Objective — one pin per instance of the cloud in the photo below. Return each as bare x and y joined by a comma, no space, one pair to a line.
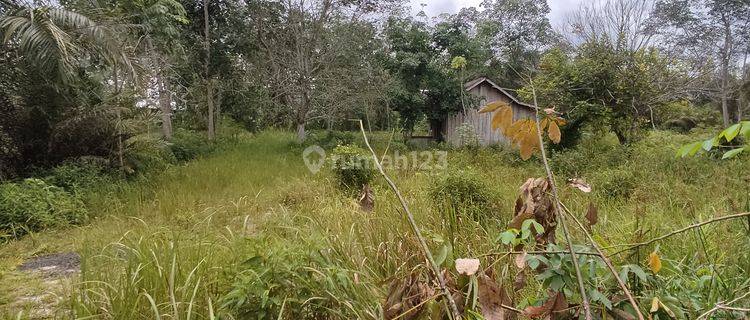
559,9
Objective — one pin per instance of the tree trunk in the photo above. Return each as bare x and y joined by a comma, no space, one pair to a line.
209,83
120,148
165,106
742,84
726,57
301,132
724,105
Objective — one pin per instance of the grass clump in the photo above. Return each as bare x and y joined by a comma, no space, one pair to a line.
462,192
352,166
617,183
33,205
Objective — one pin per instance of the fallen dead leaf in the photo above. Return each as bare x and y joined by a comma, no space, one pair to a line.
491,298
550,309
579,184
467,266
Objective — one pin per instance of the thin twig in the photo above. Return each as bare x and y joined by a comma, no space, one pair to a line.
608,263
415,229
509,308
678,231
415,307
722,305
583,253
560,216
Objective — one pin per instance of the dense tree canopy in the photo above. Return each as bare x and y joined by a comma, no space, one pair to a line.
126,67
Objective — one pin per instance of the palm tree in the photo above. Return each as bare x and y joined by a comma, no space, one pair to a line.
53,38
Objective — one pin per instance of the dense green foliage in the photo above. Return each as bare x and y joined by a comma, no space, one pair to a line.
33,205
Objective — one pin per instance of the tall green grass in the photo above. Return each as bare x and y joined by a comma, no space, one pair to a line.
249,233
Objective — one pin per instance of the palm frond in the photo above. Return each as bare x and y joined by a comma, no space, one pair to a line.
52,38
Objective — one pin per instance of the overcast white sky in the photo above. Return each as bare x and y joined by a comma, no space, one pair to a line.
558,8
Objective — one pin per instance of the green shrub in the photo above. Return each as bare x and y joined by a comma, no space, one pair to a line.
187,145
594,153
147,153
352,166
462,192
81,174
34,205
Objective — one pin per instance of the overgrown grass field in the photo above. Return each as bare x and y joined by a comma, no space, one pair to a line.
251,233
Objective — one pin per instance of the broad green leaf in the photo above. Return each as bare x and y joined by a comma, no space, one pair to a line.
695,148
537,227
731,132
624,274
745,131
532,261
441,255
709,144
638,271
556,283
732,153
507,237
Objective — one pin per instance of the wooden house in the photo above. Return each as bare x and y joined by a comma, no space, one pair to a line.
487,91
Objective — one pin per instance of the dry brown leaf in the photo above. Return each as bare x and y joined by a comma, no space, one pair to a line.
467,266
554,132
543,124
526,151
492,106
592,215
618,314
549,309
579,184
534,202
503,118
491,298
404,295
367,199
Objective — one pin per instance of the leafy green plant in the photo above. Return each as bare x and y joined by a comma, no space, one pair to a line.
352,166
282,281
514,237
34,205
81,174
735,132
